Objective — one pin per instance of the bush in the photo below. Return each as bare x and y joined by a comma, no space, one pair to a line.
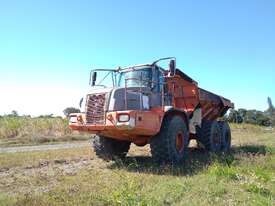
70,110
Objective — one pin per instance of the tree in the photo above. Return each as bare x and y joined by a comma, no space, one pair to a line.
250,117
46,116
262,119
234,117
14,113
242,113
70,110
270,105
270,112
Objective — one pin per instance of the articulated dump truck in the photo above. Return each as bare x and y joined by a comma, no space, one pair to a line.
148,104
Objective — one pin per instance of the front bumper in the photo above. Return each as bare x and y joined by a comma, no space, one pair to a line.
140,123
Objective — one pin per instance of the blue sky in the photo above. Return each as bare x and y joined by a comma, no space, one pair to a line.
48,47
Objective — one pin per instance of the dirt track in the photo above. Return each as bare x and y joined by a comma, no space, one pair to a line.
42,147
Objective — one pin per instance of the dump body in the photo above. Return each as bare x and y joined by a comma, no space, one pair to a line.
212,105
188,96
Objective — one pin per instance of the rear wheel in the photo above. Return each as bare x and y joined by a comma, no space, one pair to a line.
226,136
107,148
209,136
170,145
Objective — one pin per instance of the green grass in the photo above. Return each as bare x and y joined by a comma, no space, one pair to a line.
245,176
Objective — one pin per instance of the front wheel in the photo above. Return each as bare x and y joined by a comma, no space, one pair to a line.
170,145
107,148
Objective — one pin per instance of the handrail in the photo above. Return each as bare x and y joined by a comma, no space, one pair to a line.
162,59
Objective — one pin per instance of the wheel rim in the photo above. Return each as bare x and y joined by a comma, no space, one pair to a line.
179,142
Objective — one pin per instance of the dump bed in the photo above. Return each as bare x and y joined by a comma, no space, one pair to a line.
213,106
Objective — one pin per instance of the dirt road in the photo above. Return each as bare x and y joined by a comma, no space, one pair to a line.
43,147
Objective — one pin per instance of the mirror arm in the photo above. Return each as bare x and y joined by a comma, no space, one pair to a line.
90,77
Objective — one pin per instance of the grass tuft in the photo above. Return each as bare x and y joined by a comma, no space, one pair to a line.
224,171
259,189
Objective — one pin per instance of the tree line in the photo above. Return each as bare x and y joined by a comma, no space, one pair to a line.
266,118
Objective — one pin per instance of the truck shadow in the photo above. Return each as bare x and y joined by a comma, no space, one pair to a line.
198,160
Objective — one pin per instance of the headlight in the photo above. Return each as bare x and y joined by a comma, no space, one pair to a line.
79,118
73,119
123,117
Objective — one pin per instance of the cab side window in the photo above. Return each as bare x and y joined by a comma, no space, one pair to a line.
157,80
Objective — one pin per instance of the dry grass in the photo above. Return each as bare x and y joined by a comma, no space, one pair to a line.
246,176
11,127
17,131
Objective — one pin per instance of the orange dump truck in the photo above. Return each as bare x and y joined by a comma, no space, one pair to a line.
148,104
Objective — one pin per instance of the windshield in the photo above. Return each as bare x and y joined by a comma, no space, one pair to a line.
136,78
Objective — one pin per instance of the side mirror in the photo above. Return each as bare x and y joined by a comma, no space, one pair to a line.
172,67
94,78
80,102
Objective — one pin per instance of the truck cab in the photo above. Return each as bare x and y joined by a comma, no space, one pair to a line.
124,103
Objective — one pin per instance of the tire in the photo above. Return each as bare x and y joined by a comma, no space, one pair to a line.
200,145
209,136
108,149
226,136
170,145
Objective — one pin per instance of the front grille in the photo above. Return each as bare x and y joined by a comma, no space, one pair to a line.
95,108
